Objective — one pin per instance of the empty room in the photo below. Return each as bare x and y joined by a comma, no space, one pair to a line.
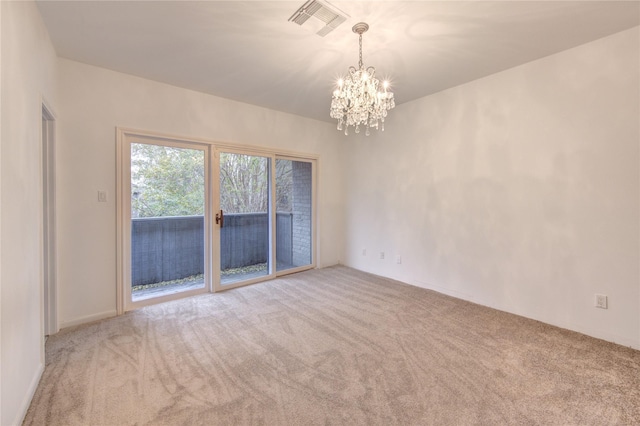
319,212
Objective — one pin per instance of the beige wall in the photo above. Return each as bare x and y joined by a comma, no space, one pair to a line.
517,191
93,101
28,74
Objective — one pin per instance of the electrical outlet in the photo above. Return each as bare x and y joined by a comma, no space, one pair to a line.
102,196
364,251
601,301
381,255
398,259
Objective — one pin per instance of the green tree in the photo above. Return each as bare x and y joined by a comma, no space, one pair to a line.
166,181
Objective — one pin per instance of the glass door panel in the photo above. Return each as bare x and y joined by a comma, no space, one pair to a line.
168,198
244,218
293,214
171,242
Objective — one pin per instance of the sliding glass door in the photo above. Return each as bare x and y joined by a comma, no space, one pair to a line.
167,214
266,211
195,216
244,217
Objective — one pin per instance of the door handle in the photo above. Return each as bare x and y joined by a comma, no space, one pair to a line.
220,219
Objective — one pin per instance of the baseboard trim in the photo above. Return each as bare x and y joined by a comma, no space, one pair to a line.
28,397
88,318
536,316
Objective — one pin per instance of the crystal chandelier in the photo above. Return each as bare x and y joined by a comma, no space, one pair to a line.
360,99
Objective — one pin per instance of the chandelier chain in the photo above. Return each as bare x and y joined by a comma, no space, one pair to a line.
360,58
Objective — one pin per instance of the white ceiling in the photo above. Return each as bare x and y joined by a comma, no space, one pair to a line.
249,52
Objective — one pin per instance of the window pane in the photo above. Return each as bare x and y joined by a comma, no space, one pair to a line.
167,220
293,214
244,199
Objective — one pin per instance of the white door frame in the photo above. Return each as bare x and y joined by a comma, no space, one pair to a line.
125,139
49,270
124,136
217,282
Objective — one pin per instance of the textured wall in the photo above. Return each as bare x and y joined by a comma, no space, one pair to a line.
517,191
28,78
94,101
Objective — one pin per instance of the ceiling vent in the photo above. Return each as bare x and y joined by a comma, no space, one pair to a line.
328,16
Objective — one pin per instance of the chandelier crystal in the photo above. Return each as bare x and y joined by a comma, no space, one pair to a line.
360,99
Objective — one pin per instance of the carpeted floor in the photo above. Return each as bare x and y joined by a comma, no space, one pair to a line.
329,347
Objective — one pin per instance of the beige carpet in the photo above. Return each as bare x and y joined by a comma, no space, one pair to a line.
329,347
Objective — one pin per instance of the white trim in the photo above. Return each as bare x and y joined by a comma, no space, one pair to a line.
89,318
220,145
217,283
295,270
315,233
212,231
214,259
533,315
273,262
165,298
49,240
124,300
315,238
1,145
256,280
208,220
28,397
120,220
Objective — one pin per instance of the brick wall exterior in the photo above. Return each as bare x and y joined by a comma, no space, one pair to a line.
301,209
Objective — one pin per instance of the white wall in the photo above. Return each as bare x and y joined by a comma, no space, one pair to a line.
518,191
1,116
28,74
93,101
